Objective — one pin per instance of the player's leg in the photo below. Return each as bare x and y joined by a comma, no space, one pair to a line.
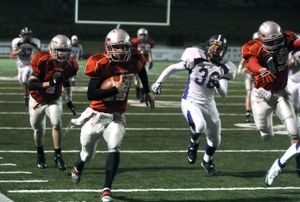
54,112
248,87
280,163
89,137
285,112
37,119
194,117
113,135
213,136
25,74
262,114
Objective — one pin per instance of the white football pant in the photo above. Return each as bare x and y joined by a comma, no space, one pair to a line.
203,119
248,83
111,126
281,104
24,73
38,115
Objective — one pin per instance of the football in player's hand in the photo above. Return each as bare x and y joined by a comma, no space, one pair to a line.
108,83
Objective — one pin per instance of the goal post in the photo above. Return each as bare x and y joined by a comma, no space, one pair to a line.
166,22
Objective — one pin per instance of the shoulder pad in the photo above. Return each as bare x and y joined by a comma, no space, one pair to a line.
191,53
94,63
230,72
251,48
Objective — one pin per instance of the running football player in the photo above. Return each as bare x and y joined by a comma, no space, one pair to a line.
208,74
51,71
105,114
23,47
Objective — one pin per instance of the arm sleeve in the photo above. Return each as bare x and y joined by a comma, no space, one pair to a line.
253,65
223,87
95,93
35,84
170,70
144,79
67,90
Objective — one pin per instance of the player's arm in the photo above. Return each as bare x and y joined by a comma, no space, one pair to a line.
149,97
222,87
95,93
156,87
241,67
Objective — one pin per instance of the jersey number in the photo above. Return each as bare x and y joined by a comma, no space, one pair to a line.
203,77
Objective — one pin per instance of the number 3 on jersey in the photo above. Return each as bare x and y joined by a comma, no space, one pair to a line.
203,74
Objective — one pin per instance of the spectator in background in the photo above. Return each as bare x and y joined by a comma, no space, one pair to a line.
144,44
24,47
77,52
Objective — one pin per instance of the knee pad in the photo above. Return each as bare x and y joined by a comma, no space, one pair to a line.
87,154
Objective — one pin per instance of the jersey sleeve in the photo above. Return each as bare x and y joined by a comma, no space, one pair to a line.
36,61
94,65
230,70
192,56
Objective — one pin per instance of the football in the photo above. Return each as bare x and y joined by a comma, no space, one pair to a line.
107,83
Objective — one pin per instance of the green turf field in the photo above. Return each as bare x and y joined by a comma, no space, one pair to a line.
153,166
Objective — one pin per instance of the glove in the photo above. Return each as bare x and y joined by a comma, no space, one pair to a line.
71,107
55,81
156,87
266,75
263,93
149,100
215,82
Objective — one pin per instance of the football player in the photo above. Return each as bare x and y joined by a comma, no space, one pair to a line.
51,71
268,61
23,47
105,114
248,83
144,44
208,74
77,52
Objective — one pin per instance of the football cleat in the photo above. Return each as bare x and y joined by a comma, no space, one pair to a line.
59,162
248,117
106,195
209,167
192,152
76,176
41,162
272,173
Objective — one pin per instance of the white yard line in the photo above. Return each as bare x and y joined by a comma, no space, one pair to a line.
15,172
151,151
155,190
23,181
8,164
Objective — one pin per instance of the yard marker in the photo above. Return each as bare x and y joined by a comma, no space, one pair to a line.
8,164
23,181
14,172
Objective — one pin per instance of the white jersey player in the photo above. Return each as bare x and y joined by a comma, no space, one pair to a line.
24,47
77,52
293,84
207,76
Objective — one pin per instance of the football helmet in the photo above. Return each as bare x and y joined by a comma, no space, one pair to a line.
118,45
25,33
60,48
271,35
142,34
255,36
216,48
74,39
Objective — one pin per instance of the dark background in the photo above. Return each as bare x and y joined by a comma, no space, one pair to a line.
192,21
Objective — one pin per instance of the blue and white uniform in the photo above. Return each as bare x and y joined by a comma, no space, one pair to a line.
198,104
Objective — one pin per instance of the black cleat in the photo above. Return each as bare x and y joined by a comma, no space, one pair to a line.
41,162
192,152
59,162
209,167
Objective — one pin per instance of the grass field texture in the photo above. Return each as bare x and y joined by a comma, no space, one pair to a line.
153,166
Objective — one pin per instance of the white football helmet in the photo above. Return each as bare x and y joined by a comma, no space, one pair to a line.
142,34
118,45
25,33
74,39
255,36
271,35
60,48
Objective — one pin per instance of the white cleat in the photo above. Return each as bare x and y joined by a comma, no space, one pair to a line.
272,173
106,195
